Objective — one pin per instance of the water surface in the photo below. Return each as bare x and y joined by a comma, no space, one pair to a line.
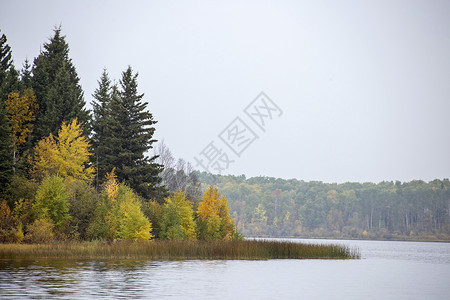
387,270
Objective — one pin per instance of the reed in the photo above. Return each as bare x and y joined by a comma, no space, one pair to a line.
178,250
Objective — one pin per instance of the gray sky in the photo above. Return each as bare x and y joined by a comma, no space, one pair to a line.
363,86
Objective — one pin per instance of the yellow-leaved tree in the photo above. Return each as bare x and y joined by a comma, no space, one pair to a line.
122,212
21,115
214,220
177,221
67,155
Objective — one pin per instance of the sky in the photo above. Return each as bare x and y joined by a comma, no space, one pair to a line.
333,91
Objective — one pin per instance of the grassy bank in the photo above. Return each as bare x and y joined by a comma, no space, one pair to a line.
177,250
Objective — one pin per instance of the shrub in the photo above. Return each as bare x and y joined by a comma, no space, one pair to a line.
41,231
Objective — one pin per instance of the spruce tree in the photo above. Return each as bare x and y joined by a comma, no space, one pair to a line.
25,75
128,136
6,152
100,104
56,85
5,61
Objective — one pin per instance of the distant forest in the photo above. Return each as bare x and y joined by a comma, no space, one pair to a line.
267,206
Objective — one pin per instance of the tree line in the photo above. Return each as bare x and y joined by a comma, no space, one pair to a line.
70,173
267,206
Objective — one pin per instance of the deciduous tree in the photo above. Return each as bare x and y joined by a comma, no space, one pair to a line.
214,220
21,115
52,200
67,155
178,218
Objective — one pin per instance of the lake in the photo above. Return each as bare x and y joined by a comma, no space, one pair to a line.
387,270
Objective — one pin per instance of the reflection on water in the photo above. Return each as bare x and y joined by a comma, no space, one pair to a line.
388,270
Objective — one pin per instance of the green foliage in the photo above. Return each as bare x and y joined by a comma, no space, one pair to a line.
154,211
128,135
118,214
265,206
101,107
57,88
177,222
52,201
83,201
6,151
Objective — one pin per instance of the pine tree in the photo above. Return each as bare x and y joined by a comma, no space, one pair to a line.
128,136
56,85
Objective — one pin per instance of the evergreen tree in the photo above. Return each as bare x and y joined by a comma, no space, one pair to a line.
6,152
128,135
25,75
56,85
102,96
5,64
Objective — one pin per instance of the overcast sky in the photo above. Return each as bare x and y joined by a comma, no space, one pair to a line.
357,90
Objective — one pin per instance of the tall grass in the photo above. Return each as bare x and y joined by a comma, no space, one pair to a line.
177,250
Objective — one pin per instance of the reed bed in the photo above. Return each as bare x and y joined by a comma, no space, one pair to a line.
179,250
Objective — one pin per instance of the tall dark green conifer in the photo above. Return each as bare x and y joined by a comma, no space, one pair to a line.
6,152
101,111
56,85
128,136
25,75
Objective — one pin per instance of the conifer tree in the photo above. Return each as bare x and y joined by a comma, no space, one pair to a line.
56,85
6,153
102,99
25,75
128,135
5,65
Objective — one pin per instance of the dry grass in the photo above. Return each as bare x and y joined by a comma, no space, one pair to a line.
178,250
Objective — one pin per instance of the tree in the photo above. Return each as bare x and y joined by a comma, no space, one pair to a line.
6,159
133,225
125,219
178,175
101,111
214,220
5,58
21,114
25,75
57,88
119,214
128,136
67,155
52,200
178,218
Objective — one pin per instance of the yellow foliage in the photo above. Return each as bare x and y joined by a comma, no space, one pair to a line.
214,216
66,156
111,186
209,205
21,114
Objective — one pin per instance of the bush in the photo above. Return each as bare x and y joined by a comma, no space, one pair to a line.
52,200
41,231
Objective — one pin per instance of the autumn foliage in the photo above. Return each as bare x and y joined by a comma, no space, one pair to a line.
67,155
